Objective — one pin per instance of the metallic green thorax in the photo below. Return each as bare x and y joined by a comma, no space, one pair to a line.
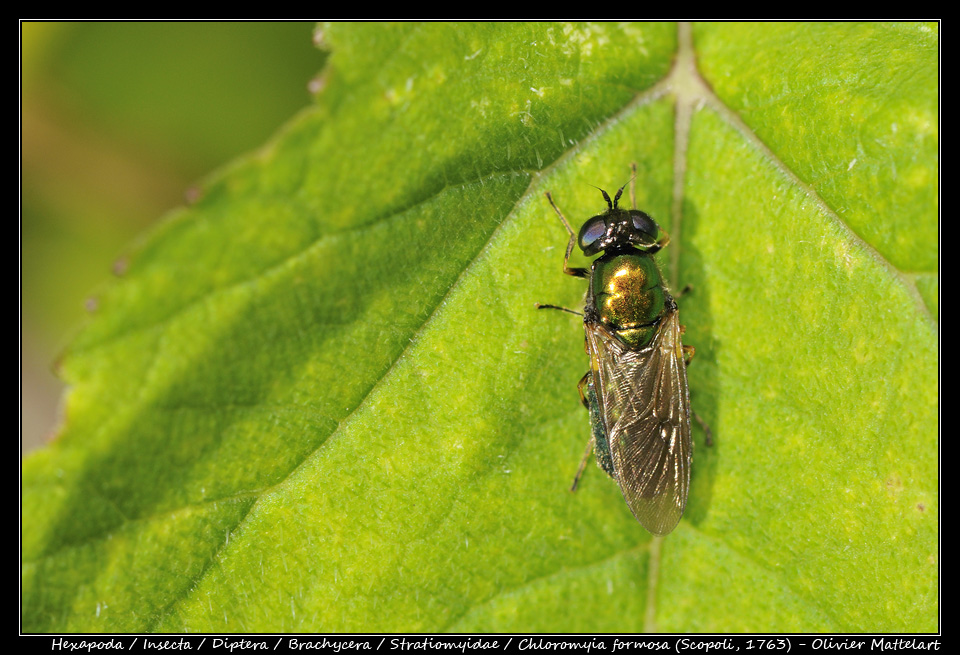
628,296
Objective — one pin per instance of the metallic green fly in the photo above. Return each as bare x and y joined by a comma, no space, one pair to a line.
636,388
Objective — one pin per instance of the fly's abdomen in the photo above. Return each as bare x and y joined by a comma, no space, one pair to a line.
628,295
598,427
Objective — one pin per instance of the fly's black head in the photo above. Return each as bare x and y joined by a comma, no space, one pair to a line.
618,230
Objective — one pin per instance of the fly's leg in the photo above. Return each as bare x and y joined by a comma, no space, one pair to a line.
708,441
585,380
688,352
684,291
586,455
662,243
575,272
562,309
583,465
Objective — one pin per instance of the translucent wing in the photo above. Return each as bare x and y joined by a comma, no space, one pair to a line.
645,406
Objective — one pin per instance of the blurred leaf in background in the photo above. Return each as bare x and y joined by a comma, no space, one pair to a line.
119,120
321,399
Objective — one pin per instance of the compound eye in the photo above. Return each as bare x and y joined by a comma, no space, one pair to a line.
590,235
645,224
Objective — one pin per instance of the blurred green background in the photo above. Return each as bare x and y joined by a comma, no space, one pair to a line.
118,120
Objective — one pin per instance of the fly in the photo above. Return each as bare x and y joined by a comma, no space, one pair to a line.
636,389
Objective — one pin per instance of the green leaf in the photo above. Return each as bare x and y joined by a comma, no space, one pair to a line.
321,399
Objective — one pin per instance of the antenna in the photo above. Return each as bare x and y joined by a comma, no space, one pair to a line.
620,192
617,197
606,197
